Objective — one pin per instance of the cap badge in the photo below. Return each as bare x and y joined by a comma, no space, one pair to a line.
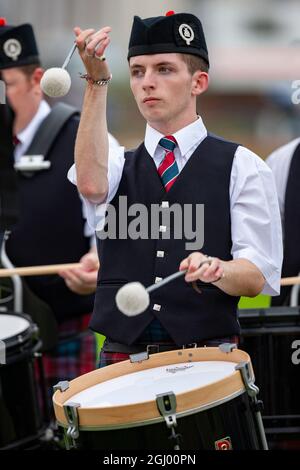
186,33
12,48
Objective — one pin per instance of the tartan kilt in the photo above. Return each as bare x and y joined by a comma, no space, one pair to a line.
75,354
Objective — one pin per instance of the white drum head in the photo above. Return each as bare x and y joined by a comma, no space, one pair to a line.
12,325
144,385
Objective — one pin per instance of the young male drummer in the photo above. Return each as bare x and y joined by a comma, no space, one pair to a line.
178,162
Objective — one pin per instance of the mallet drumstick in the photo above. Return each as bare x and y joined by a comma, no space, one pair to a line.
133,298
56,81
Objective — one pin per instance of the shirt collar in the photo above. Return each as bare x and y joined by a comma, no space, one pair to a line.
187,137
27,134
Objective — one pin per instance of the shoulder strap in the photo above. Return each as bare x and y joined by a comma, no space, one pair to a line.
50,128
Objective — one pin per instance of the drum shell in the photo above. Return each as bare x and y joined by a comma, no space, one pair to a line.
20,414
231,421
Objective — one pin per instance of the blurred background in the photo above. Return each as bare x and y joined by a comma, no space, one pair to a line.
254,51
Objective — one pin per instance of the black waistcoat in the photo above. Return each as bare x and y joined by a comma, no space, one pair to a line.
186,315
50,229
291,228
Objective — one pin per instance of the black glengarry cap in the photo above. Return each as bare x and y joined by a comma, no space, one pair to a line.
181,32
17,46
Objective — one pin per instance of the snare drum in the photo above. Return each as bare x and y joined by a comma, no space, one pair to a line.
201,398
20,415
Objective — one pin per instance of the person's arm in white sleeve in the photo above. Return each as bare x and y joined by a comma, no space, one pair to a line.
280,161
255,218
255,232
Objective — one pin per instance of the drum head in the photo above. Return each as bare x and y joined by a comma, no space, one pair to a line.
13,328
125,393
144,385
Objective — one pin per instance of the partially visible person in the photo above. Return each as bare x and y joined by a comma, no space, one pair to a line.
285,165
52,227
8,179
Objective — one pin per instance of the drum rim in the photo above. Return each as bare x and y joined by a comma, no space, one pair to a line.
124,415
23,336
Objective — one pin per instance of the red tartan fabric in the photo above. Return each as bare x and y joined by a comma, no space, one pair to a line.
75,354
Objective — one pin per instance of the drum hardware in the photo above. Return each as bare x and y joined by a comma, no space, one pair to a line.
166,404
252,391
72,432
62,386
227,347
194,408
189,346
139,357
144,355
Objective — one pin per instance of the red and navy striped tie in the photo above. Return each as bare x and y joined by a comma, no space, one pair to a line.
168,169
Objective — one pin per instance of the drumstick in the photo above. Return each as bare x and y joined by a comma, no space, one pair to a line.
290,281
38,270
133,298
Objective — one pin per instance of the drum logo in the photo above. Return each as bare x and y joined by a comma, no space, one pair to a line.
223,444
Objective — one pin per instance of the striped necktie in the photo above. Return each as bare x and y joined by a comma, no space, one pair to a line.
168,169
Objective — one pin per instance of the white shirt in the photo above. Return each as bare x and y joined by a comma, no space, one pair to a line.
26,136
255,218
280,161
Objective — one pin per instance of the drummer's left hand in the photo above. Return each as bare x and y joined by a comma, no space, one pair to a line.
83,280
202,267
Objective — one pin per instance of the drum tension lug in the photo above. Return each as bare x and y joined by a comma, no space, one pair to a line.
166,404
248,378
62,386
227,347
73,421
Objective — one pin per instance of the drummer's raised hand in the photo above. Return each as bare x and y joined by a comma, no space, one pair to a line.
92,45
202,267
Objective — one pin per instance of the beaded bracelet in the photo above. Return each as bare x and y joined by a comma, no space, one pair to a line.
100,82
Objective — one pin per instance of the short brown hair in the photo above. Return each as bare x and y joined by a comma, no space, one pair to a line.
29,69
195,63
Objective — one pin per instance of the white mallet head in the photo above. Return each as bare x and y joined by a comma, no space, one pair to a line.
132,299
56,82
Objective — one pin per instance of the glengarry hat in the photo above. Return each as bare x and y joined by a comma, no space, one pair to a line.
180,32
